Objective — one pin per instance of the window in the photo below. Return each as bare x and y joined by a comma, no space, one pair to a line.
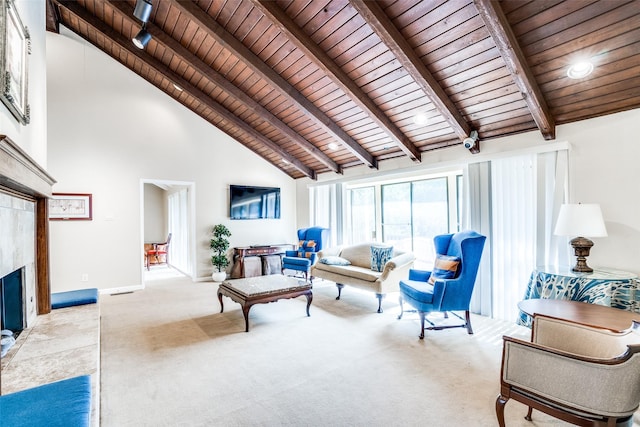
362,218
407,214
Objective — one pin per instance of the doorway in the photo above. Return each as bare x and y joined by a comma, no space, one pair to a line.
167,208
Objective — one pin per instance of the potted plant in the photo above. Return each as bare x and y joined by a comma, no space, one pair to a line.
219,245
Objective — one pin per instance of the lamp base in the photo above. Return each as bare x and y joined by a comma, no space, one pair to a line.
581,247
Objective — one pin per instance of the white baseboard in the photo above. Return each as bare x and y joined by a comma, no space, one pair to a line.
122,289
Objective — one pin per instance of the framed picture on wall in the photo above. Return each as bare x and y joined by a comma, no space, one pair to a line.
70,206
15,47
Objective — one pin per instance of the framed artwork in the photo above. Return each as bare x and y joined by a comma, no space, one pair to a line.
15,47
70,206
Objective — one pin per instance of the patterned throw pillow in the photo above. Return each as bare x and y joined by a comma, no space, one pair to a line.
379,257
445,267
335,260
306,248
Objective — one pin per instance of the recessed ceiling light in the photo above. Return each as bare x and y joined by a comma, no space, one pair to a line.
420,119
177,87
285,161
332,146
580,70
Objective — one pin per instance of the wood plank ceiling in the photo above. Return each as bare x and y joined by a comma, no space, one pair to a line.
317,86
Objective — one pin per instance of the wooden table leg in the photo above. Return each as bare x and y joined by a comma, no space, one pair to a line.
220,299
309,296
245,312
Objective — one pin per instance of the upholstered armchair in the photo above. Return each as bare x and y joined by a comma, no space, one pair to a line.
448,287
310,241
577,373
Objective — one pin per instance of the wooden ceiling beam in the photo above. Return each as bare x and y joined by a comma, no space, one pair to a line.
324,62
126,12
229,42
52,17
504,38
127,46
393,39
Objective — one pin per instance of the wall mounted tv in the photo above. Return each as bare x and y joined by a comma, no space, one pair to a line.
250,202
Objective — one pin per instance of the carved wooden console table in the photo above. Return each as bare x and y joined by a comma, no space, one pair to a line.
247,260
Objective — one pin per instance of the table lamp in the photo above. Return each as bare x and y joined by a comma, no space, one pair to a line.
581,220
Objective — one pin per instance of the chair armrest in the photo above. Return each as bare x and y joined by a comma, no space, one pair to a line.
570,379
291,253
397,262
419,275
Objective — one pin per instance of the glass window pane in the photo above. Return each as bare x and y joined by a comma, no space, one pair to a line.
363,214
396,215
430,209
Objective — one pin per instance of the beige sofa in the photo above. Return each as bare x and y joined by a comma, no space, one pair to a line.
359,273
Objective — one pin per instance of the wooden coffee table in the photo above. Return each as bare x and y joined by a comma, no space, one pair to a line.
599,316
261,290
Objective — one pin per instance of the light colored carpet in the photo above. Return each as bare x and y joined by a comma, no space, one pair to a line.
169,358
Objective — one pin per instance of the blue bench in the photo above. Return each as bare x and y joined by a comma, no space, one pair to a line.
63,403
71,298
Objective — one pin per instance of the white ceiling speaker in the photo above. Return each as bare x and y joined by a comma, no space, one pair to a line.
472,143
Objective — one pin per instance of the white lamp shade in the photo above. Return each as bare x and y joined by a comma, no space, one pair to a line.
583,220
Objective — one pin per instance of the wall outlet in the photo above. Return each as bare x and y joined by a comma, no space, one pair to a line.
84,278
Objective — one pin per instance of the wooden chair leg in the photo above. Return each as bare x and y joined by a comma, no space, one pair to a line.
468,320
339,286
528,417
422,315
379,296
500,402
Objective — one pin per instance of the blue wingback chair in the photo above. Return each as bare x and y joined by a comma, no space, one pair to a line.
445,294
311,240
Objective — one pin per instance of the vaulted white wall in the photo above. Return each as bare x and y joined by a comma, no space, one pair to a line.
108,130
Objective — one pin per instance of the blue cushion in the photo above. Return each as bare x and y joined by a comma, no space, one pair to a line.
445,267
296,261
62,403
417,290
335,260
71,298
379,257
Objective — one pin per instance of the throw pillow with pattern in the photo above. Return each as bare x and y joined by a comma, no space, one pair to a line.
379,257
445,267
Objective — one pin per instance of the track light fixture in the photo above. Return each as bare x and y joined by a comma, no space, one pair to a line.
142,38
142,10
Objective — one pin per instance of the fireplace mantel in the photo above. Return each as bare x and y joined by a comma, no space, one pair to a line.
20,173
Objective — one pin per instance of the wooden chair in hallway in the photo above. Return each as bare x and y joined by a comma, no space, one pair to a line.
157,253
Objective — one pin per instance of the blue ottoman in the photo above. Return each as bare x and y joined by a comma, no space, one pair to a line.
71,298
63,403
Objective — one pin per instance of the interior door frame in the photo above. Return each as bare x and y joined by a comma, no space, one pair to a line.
191,226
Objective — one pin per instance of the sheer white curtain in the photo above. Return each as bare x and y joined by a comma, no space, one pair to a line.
513,231
179,229
514,201
325,207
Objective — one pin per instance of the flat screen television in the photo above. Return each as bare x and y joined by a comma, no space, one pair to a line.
250,202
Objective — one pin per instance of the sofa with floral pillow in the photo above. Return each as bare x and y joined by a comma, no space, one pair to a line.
372,267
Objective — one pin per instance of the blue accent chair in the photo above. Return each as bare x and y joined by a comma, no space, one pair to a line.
305,256
445,295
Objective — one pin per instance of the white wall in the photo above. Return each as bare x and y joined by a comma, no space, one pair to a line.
603,168
108,130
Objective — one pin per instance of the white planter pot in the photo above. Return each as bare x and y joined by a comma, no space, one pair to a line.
219,276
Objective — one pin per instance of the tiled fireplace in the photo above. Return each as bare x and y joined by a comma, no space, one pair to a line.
24,189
